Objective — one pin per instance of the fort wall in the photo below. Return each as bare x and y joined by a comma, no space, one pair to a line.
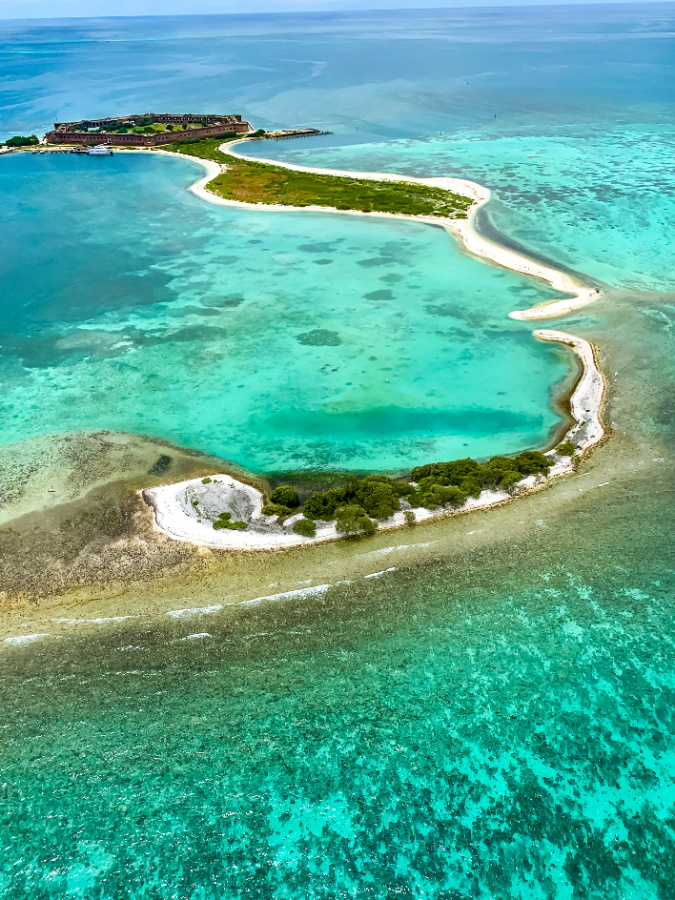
145,140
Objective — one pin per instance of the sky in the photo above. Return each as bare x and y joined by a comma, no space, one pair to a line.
20,9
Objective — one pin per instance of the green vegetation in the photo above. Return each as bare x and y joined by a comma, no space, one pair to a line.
112,127
20,140
409,517
377,496
224,520
567,448
285,495
206,480
255,182
500,472
305,527
275,509
352,519
448,484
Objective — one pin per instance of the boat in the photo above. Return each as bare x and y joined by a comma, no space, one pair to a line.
99,150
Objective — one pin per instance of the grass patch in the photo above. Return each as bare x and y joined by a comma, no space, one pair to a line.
250,181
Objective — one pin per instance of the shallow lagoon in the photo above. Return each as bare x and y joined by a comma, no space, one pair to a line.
280,341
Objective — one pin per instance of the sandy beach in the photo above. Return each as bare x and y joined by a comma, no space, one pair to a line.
462,229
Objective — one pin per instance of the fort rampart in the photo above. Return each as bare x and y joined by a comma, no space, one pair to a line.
86,131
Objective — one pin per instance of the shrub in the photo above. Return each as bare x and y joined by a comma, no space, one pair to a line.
497,470
532,462
409,517
275,509
471,486
567,448
377,498
509,480
352,519
449,472
224,520
206,480
305,527
322,504
20,140
450,496
286,496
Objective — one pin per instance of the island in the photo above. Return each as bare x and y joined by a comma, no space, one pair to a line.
224,512
221,511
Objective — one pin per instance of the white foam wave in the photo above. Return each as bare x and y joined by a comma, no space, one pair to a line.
25,639
288,595
380,574
194,611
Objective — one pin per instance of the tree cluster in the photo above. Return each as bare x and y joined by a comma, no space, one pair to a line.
468,478
352,519
434,485
21,140
376,496
305,527
567,448
286,496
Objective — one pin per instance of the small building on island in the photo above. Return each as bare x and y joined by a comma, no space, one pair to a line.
147,130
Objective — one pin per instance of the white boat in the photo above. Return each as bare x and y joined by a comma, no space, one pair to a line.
99,150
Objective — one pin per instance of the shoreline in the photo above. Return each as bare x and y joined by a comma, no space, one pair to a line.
177,513
462,229
586,400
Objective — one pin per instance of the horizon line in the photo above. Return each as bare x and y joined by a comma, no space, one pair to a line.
460,6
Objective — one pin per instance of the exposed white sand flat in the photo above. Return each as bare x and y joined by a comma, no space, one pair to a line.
194,611
588,398
297,594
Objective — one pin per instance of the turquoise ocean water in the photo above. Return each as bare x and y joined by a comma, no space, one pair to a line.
492,718
278,341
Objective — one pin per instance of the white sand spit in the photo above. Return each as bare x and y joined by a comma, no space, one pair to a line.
588,397
194,611
463,229
380,574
